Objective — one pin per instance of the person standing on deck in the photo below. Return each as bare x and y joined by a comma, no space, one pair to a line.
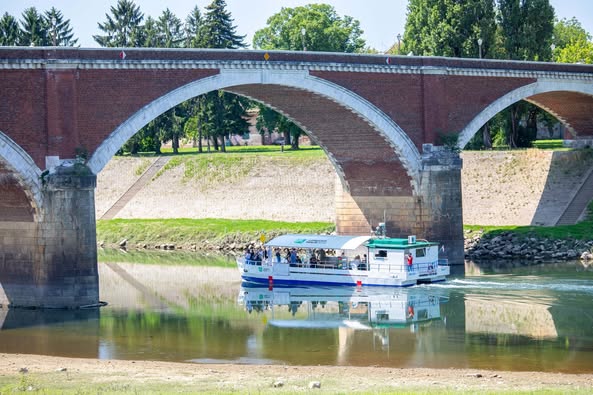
410,262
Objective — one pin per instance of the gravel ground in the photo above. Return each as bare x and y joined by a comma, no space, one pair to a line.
132,376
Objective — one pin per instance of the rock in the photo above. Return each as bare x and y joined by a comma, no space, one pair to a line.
123,243
314,384
23,370
61,369
476,375
278,384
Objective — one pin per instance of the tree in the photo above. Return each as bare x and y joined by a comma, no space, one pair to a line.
572,42
58,30
32,28
150,33
450,28
123,27
526,29
580,51
568,31
218,30
9,30
170,30
314,27
193,28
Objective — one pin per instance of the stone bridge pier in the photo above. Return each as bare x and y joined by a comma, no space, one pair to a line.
433,211
51,261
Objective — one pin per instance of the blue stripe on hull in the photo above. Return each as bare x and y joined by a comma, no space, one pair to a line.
292,282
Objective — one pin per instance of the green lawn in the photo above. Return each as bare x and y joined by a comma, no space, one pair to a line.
183,231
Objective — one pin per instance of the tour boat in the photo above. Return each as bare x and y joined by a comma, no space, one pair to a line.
344,260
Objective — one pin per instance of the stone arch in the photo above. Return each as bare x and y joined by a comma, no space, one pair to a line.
522,93
403,146
23,166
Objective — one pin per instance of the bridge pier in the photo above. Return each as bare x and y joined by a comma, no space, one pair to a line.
51,262
434,212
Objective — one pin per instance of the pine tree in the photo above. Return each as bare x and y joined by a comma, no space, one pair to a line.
170,30
9,30
193,28
33,31
123,27
59,31
219,31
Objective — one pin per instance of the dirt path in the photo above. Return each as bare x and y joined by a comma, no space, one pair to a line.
45,373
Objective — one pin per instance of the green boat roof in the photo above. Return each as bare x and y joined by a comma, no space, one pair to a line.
397,244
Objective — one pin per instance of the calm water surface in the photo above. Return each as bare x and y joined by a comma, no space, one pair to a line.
507,317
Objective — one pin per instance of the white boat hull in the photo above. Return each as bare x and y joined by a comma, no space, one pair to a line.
283,274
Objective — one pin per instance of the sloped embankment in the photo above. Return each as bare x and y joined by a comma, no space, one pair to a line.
499,187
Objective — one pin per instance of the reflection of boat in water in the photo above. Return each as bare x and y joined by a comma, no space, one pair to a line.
344,260
351,307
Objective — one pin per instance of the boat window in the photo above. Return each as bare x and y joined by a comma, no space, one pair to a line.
381,254
382,316
420,252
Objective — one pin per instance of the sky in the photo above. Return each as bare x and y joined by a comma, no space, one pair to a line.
381,20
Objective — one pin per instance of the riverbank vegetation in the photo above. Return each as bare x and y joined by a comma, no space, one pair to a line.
193,234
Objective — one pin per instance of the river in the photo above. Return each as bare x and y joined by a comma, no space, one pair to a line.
504,316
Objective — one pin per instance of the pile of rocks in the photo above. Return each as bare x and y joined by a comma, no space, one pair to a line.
508,245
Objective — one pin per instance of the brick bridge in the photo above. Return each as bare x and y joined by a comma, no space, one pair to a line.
378,118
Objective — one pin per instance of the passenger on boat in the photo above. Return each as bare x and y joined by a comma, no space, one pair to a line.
322,256
247,256
363,264
313,260
278,257
293,257
355,263
342,261
410,262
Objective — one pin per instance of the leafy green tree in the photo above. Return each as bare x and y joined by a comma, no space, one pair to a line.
9,30
123,28
568,31
572,43
580,51
450,28
150,33
58,31
33,30
218,30
323,28
526,28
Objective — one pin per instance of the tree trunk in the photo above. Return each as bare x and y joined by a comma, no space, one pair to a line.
223,144
175,144
486,137
215,142
295,142
514,126
286,137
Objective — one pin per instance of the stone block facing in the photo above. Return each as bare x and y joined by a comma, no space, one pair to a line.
56,264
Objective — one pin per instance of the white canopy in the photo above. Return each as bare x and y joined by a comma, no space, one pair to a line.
318,241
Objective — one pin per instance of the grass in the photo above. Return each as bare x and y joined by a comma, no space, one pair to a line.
549,144
312,151
186,232
580,231
126,383
178,258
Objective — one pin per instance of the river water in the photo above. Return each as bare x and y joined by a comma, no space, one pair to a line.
502,316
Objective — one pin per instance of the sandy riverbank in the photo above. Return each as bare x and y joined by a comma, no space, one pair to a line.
69,374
